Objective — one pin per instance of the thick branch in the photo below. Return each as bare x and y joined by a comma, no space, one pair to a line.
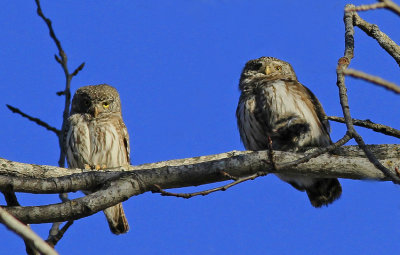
11,200
347,162
110,195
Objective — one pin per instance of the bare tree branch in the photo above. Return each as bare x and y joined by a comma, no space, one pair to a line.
371,125
62,59
366,7
36,120
11,200
388,4
78,69
391,6
25,232
373,79
32,178
117,186
56,234
237,181
373,31
319,151
351,19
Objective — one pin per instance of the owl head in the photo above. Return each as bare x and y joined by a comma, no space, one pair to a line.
96,100
266,68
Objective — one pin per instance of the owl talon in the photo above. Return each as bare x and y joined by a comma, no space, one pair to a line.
100,167
87,167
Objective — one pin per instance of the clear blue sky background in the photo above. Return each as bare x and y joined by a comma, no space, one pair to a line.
177,64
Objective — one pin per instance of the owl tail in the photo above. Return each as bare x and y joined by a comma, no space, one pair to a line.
324,192
116,219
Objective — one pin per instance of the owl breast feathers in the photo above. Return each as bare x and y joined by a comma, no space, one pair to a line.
274,104
96,137
97,142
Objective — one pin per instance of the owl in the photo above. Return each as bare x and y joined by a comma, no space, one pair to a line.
274,105
96,138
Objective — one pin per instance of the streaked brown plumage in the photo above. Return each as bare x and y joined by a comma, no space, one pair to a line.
96,137
274,104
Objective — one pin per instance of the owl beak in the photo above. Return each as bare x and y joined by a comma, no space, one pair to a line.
268,70
94,111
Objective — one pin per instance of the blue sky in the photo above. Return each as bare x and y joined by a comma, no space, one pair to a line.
176,65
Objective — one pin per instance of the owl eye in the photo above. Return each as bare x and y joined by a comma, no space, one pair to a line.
106,104
278,68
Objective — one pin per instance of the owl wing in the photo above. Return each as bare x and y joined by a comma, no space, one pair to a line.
319,110
125,138
77,142
252,130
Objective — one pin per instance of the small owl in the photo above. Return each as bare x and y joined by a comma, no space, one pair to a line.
273,104
96,138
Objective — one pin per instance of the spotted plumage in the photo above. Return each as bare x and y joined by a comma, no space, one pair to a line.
274,104
96,137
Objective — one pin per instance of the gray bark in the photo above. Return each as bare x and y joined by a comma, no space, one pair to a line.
117,185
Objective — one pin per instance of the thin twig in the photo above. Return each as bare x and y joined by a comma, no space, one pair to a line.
55,233
371,157
373,79
25,232
64,197
392,6
36,120
351,19
370,125
158,189
52,34
10,197
62,60
78,69
387,4
59,233
373,31
366,7
229,176
317,152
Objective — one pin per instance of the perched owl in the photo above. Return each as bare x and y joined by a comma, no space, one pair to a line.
96,137
274,104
